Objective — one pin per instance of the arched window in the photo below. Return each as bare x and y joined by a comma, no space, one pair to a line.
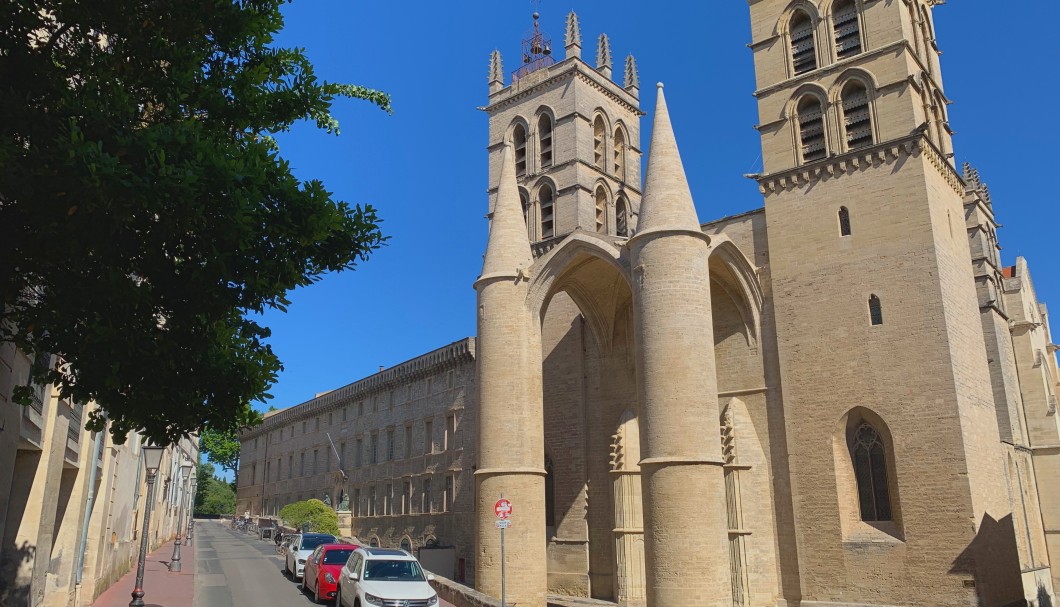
803,49
601,210
524,198
620,155
374,542
844,221
519,140
621,217
869,455
544,133
547,209
550,493
856,119
406,544
847,30
811,128
875,310
599,142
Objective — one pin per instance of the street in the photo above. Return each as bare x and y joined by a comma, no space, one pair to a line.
235,569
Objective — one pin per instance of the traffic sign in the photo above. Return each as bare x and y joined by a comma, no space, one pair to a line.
503,509
504,523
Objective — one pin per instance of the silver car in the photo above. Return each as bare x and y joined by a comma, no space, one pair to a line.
299,549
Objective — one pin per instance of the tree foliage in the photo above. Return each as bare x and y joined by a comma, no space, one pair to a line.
320,516
145,209
215,497
220,447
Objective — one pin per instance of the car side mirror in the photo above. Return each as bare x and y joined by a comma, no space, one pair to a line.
353,575
430,577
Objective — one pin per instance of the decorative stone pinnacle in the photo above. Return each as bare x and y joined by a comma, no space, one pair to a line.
496,80
573,38
603,55
632,78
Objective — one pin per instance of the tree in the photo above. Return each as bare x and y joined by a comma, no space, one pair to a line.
146,211
203,477
319,516
218,498
221,448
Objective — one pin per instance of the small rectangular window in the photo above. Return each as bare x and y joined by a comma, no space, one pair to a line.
375,448
360,453
408,442
449,495
357,502
425,497
428,437
450,432
390,445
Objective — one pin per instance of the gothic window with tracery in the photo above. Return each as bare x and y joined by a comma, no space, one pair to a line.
803,47
811,129
847,29
869,455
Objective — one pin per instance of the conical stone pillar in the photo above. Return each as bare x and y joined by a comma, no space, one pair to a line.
511,427
685,527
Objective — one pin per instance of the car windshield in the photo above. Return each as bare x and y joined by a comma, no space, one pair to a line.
393,571
337,557
312,542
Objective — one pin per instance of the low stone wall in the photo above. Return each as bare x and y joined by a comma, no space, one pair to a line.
461,595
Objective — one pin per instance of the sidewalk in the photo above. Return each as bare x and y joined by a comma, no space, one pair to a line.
161,588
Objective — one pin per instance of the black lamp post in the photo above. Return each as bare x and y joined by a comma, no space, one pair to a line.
152,459
185,469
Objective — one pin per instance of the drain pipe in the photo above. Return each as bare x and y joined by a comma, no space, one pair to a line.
82,546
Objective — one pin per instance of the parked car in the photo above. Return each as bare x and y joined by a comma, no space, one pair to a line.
286,545
323,568
299,550
381,576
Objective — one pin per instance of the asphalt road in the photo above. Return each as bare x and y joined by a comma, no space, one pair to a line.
236,569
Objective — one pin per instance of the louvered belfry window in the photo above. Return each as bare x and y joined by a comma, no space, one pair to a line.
601,210
544,129
803,49
519,139
847,29
856,117
548,221
620,153
621,217
598,142
811,129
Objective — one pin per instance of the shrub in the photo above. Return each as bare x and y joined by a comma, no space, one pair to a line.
320,517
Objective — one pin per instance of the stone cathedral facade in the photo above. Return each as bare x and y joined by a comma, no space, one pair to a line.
840,399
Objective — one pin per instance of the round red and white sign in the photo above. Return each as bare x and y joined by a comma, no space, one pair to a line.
503,509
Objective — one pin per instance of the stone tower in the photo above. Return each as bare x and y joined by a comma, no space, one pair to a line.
867,245
575,134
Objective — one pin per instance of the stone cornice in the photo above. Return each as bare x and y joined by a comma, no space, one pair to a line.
570,68
443,358
882,153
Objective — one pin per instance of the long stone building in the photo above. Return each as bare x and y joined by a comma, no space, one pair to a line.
840,399
73,505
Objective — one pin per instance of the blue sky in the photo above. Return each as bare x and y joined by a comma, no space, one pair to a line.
424,168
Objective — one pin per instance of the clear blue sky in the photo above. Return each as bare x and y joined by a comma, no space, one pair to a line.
424,167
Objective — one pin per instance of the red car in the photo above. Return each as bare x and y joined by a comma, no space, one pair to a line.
322,570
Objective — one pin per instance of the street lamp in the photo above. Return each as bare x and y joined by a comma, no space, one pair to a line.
185,469
152,459
191,510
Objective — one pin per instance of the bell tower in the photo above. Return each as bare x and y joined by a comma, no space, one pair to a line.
575,133
878,322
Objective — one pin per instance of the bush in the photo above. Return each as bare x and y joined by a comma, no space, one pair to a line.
320,517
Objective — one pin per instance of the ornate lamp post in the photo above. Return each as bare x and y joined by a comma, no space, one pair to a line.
191,510
152,459
185,469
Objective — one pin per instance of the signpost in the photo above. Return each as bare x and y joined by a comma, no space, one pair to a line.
503,510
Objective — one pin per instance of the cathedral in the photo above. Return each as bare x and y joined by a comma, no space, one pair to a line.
841,399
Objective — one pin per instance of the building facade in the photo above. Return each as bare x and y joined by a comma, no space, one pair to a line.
72,517
855,395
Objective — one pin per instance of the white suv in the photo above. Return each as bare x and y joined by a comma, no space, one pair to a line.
379,577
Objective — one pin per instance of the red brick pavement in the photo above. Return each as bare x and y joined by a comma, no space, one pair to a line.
161,588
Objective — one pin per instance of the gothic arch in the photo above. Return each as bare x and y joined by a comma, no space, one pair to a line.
783,24
852,523
867,78
744,275
835,95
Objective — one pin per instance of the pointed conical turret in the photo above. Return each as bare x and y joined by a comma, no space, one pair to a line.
667,202
573,38
508,247
496,72
603,55
631,82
